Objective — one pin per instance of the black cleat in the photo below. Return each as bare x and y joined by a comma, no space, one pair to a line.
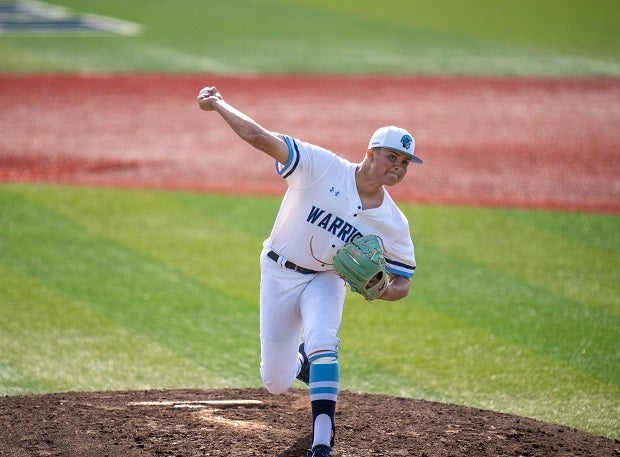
320,450
304,373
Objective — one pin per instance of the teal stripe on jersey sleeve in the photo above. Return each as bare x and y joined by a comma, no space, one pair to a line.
399,269
293,159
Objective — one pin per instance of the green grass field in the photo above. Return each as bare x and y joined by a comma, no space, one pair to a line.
551,37
117,289
510,310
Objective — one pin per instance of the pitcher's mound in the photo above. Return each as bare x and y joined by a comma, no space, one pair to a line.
251,422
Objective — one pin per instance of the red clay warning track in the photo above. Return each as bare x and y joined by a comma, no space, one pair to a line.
533,143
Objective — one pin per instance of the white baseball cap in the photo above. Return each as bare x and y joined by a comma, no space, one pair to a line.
396,139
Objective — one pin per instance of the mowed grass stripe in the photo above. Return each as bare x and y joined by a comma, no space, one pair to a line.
202,236
584,267
599,231
448,360
52,343
189,242
490,289
147,297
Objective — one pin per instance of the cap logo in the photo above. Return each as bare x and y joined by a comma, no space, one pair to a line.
406,141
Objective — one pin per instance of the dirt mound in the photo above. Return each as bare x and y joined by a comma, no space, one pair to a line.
251,422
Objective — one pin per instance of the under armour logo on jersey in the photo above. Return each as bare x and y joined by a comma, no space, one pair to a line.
406,141
334,191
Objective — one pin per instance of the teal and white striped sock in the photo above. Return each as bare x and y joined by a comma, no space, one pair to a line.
324,386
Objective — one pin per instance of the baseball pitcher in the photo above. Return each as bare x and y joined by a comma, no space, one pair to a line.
337,224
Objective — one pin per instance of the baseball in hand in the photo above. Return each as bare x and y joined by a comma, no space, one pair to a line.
207,92
204,96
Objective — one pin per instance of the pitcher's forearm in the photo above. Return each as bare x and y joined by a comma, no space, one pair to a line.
250,131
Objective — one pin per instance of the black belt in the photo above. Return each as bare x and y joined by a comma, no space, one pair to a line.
290,265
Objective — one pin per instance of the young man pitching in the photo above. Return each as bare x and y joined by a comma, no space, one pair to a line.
329,202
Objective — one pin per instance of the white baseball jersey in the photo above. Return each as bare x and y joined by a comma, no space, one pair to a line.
322,210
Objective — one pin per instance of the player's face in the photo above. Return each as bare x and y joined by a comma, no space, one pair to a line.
391,165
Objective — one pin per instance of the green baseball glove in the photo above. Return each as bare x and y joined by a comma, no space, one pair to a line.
361,263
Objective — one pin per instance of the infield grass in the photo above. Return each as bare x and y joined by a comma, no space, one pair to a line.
510,310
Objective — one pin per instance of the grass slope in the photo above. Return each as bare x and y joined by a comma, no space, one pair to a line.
555,37
510,310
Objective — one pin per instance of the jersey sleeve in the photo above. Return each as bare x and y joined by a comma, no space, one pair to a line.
293,159
400,256
306,163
